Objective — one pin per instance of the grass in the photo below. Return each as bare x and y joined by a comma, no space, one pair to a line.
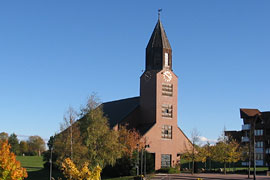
34,167
31,163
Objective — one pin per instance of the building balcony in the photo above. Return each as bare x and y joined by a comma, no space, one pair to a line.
259,162
259,150
246,127
245,139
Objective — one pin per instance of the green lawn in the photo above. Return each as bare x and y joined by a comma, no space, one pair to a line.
31,163
34,167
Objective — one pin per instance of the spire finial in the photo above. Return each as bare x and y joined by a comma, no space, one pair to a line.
159,10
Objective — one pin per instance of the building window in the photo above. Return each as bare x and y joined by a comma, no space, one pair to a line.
167,110
258,132
165,160
259,144
166,132
267,151
259,156
167,89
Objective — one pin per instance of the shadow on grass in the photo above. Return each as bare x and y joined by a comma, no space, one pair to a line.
44,174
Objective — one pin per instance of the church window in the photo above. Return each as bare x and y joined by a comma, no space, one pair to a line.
167,89
166,60
167,110
165,160
166,132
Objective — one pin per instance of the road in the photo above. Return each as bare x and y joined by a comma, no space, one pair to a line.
206,177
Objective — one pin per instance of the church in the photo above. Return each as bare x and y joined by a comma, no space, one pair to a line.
154,112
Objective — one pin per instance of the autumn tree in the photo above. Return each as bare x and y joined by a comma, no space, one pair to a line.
72,172
14,143
130,139
132,144
36,145
10,168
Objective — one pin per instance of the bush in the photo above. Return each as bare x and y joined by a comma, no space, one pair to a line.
169,170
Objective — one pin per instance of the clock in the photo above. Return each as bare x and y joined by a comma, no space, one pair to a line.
147,76
167,76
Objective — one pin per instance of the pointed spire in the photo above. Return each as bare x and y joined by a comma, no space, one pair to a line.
158,50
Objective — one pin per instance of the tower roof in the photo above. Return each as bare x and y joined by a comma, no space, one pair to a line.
159,38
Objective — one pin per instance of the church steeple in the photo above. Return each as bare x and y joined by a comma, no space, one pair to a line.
158,50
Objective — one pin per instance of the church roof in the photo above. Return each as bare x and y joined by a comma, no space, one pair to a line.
159,38
117,110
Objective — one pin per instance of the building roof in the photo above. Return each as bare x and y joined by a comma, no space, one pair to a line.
244,113
117,110
159,38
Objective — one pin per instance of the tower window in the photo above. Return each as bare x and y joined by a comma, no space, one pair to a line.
167,89
166,132
167,110
166,60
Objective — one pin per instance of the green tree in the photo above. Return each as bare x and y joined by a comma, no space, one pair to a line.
103,147
69,143
14,143
226,151
36,145
23,147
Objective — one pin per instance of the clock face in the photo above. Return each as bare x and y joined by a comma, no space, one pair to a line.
167,76
147,76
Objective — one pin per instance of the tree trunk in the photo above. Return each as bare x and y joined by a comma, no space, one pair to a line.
224,167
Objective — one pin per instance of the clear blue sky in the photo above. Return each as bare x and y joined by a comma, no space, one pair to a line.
54,54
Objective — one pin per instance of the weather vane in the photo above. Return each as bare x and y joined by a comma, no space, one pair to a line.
159,10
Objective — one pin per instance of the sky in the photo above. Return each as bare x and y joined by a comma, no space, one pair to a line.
55,54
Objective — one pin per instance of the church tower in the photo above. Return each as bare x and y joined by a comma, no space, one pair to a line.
158,84
154,112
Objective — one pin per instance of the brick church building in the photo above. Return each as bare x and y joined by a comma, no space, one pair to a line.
154,112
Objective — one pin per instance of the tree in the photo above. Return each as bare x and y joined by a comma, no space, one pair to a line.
14,143
36,145
130,139
23,147
10,168
3,136
71,172
69,143
102,143
226,151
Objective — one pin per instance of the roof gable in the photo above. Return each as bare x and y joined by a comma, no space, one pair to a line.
117,110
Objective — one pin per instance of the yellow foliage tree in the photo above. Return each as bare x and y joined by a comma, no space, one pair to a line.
10,168
71,172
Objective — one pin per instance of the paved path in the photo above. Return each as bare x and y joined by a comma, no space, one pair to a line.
206,177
